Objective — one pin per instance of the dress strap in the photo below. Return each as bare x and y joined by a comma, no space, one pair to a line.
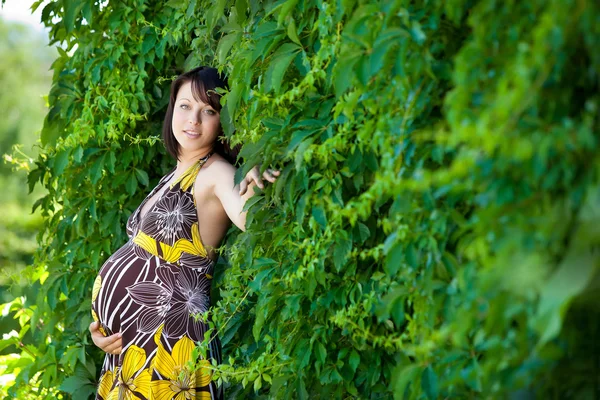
189,176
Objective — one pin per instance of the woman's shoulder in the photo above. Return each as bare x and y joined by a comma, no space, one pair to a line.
218,169
218,164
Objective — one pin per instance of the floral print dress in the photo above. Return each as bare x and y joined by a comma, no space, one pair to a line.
152,290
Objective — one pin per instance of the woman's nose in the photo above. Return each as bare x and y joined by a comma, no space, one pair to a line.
195,120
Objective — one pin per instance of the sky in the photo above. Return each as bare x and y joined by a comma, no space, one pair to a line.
19,10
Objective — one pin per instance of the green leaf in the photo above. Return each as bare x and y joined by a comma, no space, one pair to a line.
257,383
341,251
390,303
402,377
252,201
397,310
233,98
60,162
241,6
50,132
354,360
291,32
411,255
72,9
148,42
393,260
131,184
286,8
258,324
280,63
112,159
571,278
301,209
303,353
191,8
300,151
371,161
301,389
298,137
74,383
225,45
262,261
256,284
142,176
429,383
417,33
160,48
321,352
96,169
319,215
364,231
85,391
77,154
343,72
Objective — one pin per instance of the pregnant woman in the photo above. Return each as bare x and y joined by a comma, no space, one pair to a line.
148,293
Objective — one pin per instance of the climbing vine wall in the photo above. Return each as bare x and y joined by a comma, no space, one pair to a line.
433,233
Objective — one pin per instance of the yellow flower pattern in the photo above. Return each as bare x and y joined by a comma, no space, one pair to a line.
96,287
132,378
179,382
172,253
95,318
106,383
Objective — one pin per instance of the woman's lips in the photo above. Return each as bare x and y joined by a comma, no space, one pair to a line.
191,134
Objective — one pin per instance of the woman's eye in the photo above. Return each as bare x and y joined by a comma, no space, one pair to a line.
210,112
184,106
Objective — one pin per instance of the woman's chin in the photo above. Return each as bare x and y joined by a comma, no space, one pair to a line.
192,144
191,149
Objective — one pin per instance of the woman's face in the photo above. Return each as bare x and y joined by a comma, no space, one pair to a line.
195,124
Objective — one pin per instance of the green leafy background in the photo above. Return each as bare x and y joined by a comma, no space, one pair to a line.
434,232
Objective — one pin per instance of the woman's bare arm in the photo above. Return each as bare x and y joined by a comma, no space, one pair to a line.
233,197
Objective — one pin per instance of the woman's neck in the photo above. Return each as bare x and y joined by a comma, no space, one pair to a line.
186,160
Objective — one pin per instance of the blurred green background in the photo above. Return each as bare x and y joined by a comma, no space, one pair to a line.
25,79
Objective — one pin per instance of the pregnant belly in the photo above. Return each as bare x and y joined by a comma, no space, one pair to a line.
135,292
110,297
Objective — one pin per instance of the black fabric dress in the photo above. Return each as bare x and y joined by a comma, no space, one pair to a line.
152,290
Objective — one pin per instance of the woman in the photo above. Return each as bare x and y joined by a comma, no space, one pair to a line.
147,294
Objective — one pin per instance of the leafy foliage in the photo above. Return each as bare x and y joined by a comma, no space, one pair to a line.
432,233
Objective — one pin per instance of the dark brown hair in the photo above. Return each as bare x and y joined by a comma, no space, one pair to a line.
204,81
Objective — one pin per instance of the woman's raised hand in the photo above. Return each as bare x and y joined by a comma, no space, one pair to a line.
254,176
110,344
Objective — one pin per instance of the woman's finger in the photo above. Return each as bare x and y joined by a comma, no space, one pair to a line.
94,326
101,341
109,340
268,176
255,175
97,336
243,187
271,175
114,348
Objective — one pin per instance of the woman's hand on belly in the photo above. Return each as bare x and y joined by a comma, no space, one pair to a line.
110,344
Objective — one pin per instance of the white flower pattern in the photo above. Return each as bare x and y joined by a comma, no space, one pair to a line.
171,218
173,300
